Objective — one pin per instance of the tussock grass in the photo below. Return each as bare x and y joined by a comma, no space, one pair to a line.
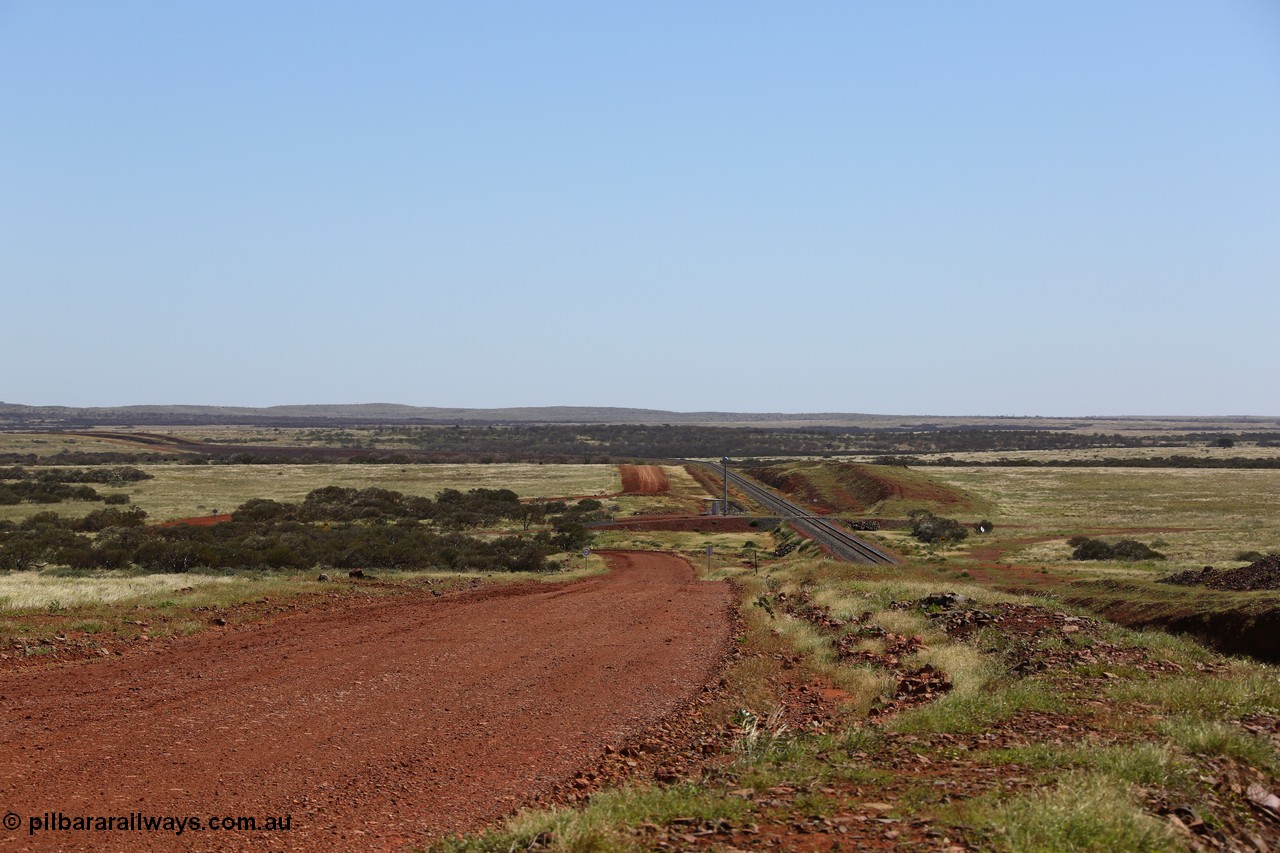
907,623
602,824
807,760
971,672
37,590
1216,738
1249,689
1138,764
976,709
1083,813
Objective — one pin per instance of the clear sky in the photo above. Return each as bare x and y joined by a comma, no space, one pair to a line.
1012,208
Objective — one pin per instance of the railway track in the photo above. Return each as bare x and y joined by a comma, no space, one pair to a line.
837,540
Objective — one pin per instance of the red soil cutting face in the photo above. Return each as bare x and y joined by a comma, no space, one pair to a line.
643,480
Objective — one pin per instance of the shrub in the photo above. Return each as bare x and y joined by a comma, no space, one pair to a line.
934,529
1126,549
101,519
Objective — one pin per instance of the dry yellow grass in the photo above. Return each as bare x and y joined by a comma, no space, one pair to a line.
180,491
48,444
1240,451
1196,516
37,590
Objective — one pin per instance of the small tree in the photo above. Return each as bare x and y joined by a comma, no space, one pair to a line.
534,512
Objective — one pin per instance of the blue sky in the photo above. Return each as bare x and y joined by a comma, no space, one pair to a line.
914,208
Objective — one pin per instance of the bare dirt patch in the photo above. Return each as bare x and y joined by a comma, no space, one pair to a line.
643,480
374,725
197,520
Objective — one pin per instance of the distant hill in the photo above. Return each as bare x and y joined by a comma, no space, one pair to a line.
393,413
17,416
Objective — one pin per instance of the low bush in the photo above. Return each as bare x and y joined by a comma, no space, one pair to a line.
934,529
342,528
1129,550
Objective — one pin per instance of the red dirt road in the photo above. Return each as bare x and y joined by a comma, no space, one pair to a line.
197,520
373,726
643,480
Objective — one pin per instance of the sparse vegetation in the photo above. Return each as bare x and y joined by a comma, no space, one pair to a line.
1047,738
344,528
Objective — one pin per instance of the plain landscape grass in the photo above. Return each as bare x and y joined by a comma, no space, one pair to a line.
184,491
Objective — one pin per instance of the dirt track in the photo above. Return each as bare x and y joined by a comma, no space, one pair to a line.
373,726
643,480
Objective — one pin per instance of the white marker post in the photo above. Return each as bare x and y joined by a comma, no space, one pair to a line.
710,548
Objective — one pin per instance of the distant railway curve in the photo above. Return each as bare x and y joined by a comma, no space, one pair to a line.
837,540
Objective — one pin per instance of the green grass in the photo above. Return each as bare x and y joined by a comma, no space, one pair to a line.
969,712
1216,738
1139,764
1082,814
1250,689
603,824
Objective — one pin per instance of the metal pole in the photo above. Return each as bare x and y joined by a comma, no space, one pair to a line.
724,460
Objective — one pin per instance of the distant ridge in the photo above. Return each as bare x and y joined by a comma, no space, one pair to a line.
391,412
14,416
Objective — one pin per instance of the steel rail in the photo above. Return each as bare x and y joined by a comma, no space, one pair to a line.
838,540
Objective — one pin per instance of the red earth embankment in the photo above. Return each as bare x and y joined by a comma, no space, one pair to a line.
643,480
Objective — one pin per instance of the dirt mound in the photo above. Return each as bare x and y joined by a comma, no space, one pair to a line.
831,487
1263,574
797,485
901,484
372,724
643,480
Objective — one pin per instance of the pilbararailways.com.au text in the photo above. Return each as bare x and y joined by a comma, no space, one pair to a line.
142,822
